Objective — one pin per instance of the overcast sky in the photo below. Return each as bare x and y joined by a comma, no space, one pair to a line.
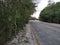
40,6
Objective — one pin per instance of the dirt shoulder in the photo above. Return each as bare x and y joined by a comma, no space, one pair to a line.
25,37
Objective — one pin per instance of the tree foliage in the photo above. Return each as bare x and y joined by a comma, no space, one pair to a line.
51,13
14,14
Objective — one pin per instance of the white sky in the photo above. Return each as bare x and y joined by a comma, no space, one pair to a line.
40,6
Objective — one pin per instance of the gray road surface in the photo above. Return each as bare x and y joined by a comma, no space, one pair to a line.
48,33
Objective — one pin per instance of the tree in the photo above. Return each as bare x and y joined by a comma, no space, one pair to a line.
50,2
51,13
14,14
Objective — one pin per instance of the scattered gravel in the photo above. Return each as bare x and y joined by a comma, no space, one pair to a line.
24,37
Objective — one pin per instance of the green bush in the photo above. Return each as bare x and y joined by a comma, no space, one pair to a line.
14,14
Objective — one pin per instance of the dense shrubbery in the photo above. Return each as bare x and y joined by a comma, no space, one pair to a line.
51,13
14,14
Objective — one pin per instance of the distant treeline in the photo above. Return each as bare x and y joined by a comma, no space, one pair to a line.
51,13
14,14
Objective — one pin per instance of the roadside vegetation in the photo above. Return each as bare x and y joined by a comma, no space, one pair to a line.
51,13
14,14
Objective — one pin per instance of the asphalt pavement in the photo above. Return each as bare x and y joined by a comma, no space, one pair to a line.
48,33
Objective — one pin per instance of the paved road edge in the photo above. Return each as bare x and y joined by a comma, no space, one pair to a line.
35,36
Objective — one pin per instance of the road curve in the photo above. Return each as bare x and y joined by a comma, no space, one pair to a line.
48,33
